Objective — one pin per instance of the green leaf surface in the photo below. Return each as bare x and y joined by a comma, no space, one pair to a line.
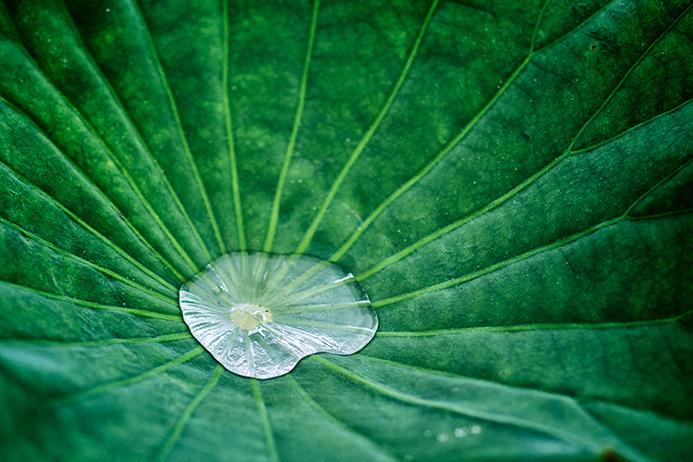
510,182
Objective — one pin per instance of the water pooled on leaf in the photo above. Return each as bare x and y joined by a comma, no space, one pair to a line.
258,314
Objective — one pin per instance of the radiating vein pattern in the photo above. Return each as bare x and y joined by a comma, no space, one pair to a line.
180,425
130,381
515,192
510,183
305,242
566,153
294,132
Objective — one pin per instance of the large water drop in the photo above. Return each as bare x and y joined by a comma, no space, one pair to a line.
258,314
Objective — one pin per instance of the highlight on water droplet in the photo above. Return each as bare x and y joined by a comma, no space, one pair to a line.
259,314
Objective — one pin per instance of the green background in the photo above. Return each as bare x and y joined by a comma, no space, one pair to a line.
510,181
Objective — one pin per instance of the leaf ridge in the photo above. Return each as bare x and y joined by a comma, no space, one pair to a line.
514,191
187,413
537,24
88,228
99,343
497,266
570,400
613,92
655,216
146,290
441,405
344,248
533,327
322,411
654,187
99,306
262,410
229,131
93,187
435,161
402,189
68,399
633,128
367,137
576,28
107,149
144,147
575,403
294,132
179,126
566,240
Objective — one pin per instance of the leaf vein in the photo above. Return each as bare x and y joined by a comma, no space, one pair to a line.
368,136
229,132
93,187
514,191
322,411
181,132
451,407
146,290
99,343
99,306
262,410
108,150
497,266
89,229
274,217
532,327
67,399
187,413
142,145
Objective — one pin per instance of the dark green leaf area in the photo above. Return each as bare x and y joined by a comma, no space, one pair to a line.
90,159
673,195
667,59
580,362
408,143
422,423
51,270
121,48
510,183
501,155
33,167
659,437
575,194
361,49
592,283
46,223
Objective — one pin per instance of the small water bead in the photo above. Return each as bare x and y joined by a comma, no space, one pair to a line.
259,314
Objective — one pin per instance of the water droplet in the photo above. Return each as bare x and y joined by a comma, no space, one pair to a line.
460,432
475,429
259,314
443,437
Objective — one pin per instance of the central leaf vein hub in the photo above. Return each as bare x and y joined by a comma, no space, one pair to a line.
249,316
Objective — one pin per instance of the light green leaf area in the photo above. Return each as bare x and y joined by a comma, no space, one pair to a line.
510,182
